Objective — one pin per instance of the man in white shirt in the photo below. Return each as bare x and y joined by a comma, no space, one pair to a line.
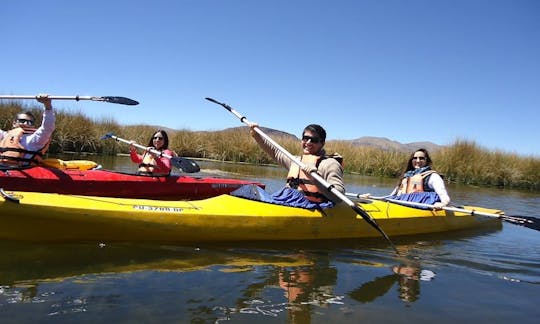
24,144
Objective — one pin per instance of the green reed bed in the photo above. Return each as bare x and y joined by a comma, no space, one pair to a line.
460,162
466,162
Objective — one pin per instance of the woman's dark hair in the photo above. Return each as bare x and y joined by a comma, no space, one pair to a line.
410,162
165,139
27,113
317,129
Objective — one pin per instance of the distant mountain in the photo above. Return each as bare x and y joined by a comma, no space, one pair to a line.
388,145
274,132
382,143
268,131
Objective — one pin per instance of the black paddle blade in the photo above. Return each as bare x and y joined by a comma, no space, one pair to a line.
229,108
213,100
187,165
8,196
119,100
374,224
107,136
526,221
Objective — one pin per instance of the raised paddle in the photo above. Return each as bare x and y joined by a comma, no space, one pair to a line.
185,164
313,173
526,221
109,99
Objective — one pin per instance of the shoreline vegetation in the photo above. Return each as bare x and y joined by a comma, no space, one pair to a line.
462,162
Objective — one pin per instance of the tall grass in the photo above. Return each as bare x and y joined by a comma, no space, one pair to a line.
466,162
461,162
369,160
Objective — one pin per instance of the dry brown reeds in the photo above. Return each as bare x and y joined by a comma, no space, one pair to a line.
466,162
461,162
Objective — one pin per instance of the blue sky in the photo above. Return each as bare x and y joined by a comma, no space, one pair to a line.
411,70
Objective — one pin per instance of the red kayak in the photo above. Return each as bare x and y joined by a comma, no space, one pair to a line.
116,184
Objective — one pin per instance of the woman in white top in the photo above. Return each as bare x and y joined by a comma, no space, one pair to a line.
420,178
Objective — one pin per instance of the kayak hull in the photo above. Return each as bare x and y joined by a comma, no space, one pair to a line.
107,183
34,216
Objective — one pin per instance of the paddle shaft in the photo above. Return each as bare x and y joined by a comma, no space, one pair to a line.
187,165
530,222
422,205
50,97
313,174
117,100
151,150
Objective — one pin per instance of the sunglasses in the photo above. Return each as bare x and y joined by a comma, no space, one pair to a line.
158,138
25,122
313,139
421,158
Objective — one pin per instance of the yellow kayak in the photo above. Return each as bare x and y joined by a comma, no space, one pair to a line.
31,216
70,165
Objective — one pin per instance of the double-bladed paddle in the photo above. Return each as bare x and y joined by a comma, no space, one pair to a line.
526,221
185,164
313,174
109,99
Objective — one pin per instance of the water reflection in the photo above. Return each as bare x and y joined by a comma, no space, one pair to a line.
278,282
301,289
282,282
296,282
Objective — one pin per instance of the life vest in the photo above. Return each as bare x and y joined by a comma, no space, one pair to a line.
298,179
149,166
415,183
12,152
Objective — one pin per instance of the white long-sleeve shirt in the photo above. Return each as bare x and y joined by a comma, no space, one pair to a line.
436,183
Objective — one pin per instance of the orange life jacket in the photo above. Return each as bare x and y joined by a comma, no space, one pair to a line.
148,166
298,179
13,153
414,183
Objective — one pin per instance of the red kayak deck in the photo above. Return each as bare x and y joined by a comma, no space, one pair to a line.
108,183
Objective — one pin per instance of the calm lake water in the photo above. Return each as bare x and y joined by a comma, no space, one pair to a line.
473,276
